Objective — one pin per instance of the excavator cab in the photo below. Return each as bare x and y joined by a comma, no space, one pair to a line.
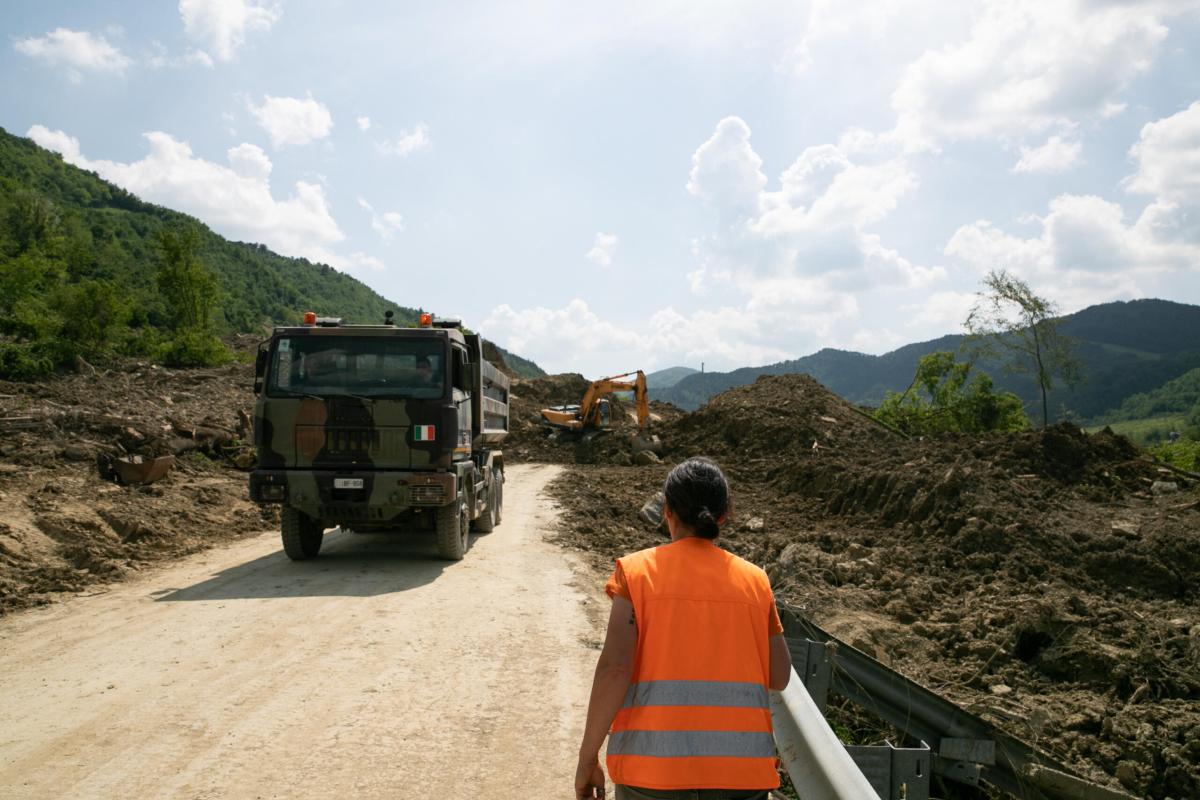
594,413
603,414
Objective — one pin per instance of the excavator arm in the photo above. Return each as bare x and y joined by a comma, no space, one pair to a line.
589,408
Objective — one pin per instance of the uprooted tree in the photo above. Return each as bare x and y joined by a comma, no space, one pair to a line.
1008,319
946,397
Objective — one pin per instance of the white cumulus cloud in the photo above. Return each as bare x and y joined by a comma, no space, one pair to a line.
602,250
236,200
791,264
408,142
364,123
387,224
1088,249
222,25
1029,66
78,51
561,339
815,225
293,120
1055,155
249,161
1168,157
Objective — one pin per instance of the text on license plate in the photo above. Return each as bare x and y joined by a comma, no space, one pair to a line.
347,483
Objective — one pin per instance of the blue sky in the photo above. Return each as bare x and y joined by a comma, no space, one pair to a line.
634,184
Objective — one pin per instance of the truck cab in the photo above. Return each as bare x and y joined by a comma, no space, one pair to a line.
378,428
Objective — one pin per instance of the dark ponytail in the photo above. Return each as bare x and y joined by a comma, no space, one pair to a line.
698,495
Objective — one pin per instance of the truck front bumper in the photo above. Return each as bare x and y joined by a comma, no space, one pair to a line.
350,495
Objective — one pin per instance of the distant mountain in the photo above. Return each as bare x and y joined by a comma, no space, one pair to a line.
666,378
1125,347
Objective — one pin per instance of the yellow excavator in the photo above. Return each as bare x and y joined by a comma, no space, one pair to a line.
594,413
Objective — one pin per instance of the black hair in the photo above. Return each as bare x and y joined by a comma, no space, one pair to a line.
698,494
423,361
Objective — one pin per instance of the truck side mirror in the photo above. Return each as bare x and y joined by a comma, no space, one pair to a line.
260,369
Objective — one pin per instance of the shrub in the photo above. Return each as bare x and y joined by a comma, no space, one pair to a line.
1184,454
944,397
194,348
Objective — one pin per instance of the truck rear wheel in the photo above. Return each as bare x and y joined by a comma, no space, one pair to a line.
302,535
498,482
452,531
487,520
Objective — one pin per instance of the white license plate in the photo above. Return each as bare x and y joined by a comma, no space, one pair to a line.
347,483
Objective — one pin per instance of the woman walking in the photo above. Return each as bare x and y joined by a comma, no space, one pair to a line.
694,643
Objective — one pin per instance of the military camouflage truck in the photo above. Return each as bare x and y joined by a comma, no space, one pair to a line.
379,428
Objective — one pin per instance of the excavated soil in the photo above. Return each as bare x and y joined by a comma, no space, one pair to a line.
1039,579
64,528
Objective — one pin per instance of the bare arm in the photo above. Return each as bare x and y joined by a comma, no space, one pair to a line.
781,662
614,668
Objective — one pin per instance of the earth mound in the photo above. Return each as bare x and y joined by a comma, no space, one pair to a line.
1035,578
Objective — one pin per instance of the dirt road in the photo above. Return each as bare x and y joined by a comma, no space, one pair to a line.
374,671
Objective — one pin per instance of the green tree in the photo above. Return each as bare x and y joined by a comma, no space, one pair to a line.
945,396
190,289
32,221
93,313
191,292
1008,318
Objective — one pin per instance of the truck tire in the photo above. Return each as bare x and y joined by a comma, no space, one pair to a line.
498,482
487,520
452,531
302,535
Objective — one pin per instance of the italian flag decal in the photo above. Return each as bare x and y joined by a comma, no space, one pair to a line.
423,433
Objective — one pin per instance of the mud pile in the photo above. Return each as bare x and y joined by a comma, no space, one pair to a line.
530,440
1039,579
64,527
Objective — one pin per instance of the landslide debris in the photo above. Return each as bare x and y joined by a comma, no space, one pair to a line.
1034,578
63,528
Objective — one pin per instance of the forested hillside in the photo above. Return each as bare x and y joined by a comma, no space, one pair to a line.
81,263
1178,396
1125,348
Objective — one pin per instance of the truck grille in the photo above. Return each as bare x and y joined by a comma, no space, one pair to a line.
341,513
431,495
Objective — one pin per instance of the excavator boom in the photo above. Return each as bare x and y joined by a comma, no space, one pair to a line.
588,414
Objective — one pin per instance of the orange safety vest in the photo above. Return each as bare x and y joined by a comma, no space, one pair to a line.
696,714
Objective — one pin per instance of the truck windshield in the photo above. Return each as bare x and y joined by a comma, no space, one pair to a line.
384,366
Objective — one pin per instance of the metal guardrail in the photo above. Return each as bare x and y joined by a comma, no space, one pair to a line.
964,747
812,754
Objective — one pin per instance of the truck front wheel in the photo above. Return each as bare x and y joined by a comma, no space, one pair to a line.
302,535
452,531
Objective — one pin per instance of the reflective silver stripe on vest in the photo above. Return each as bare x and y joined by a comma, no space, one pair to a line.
682,744
726,694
